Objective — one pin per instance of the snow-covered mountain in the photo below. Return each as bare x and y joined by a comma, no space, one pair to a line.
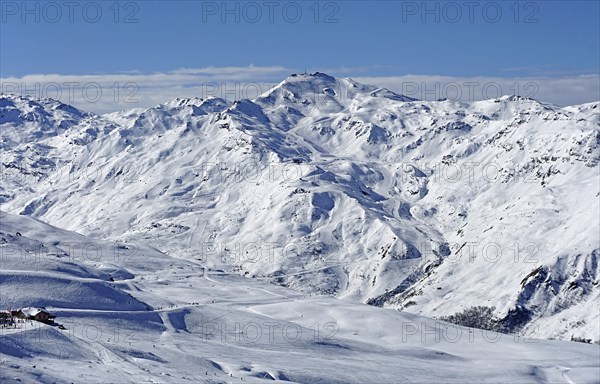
127,313
328,186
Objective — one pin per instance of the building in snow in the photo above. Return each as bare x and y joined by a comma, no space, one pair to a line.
6,319
39,314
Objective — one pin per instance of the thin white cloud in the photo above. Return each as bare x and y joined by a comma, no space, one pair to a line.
102,93
562,91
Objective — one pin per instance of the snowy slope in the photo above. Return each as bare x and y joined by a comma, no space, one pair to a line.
333,187
198,325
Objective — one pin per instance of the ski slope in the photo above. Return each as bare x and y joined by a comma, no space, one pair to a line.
186,323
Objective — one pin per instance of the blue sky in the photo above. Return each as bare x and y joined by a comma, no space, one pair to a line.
528,39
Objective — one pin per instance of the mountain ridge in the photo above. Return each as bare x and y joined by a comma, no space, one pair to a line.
336,187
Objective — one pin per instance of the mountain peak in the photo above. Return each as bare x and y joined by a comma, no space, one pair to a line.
18,109
314,75
308,80
324,90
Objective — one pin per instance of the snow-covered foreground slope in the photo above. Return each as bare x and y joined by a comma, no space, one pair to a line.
328,186
184,323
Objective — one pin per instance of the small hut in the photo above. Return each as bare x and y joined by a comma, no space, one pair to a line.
38,314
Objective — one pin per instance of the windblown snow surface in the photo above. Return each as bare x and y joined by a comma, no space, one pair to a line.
217,241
